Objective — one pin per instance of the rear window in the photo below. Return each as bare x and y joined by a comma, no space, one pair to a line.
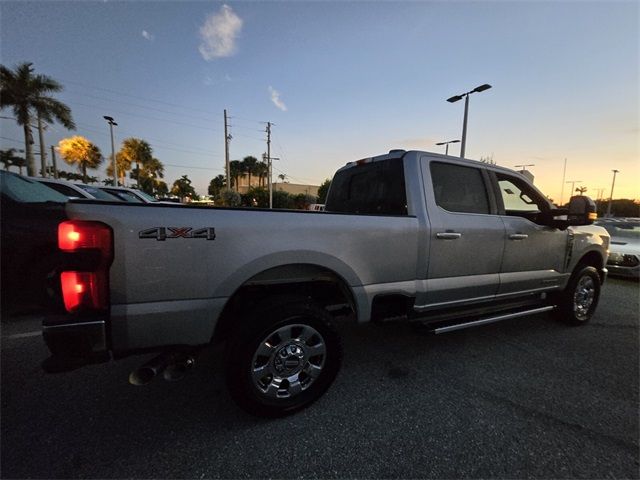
23,190
375,188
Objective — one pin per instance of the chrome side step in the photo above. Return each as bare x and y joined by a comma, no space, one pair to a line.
484,321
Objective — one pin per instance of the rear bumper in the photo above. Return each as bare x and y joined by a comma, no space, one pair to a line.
75,344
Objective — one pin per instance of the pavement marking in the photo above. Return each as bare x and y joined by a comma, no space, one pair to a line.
23,335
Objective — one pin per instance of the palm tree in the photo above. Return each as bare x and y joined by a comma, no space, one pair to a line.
80,152
235,170
262,170
133,150
150,173
249,164
182,188
9,159
28,94
216,184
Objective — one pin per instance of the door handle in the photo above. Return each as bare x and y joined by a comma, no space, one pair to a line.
448,235
518,236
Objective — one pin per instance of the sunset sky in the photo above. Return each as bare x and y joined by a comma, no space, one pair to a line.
345,80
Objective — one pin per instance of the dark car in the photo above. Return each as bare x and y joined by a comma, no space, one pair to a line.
29,218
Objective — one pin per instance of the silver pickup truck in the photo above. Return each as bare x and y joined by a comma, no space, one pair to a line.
411,236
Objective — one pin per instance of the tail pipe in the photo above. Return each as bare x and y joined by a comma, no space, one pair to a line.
173,365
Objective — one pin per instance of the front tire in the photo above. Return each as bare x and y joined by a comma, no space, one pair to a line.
578,302
284,358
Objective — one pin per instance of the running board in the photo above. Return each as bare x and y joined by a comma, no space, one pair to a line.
484,321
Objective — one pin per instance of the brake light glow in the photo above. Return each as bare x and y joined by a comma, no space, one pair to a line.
82,289
75,234
86,290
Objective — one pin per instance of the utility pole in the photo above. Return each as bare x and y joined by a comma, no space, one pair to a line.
564,174
269,164
43,154
227,138
611,197
111,123
53,159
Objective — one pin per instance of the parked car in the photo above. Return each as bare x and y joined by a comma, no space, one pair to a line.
30,214
624,252
130,195
77,190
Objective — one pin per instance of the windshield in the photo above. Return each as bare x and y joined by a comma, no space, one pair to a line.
623,230
23,190
99,194
123,195
145,195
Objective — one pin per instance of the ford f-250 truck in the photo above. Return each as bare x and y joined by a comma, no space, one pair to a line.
448,242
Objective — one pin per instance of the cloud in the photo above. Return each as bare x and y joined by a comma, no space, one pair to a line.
275,98
219,34
148,36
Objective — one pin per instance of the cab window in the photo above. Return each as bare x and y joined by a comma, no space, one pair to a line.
458,188
519,199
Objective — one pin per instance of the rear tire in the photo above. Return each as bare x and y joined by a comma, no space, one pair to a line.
283,358
578,302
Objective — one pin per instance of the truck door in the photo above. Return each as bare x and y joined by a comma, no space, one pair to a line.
466,239
534,253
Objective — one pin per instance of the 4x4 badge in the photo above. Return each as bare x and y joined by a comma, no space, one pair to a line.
162,233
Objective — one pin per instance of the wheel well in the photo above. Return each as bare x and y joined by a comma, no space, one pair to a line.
322,286
593,259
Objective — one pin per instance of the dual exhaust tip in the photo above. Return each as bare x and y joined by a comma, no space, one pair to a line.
173,366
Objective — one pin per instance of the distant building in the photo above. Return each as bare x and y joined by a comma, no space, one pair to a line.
262,182
296,188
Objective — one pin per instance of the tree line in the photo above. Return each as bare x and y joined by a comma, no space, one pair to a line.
30,97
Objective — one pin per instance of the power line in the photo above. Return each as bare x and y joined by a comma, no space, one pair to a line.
209,119
13,140
138,97
193,167
120,112
100,131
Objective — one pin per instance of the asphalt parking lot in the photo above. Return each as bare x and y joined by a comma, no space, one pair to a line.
523,398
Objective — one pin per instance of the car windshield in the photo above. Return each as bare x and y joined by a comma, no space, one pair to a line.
623,230
145,195
124,195
99,194
23,190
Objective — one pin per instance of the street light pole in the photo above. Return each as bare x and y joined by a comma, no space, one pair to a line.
446,151
455,98
573,184
113,149
611,196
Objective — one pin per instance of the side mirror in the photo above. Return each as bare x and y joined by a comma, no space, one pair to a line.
580,211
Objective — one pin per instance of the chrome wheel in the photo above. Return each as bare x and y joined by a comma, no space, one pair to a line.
583,297
288,361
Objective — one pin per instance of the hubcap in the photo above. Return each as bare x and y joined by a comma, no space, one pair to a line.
583,297
288,361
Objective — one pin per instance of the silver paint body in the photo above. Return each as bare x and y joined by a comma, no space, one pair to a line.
173,291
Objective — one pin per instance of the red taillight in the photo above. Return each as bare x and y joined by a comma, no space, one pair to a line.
86,289
76,234
83,289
